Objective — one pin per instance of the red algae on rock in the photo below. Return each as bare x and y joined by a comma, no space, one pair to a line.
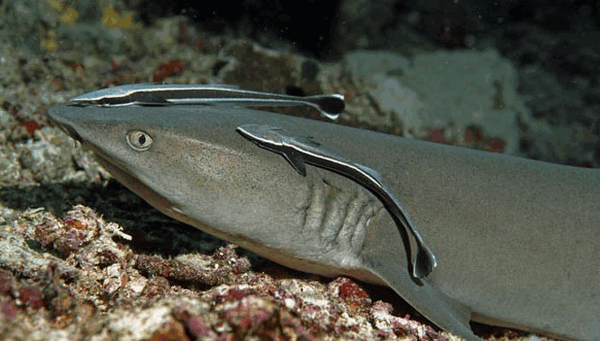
166,70
200,269
169,331
349,290
194,325
31,296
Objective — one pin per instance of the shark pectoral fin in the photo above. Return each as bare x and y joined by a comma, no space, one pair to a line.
383,254
445,312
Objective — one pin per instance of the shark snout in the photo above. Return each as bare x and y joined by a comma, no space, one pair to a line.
60,118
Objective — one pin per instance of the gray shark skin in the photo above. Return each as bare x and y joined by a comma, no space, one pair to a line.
516,241
299,149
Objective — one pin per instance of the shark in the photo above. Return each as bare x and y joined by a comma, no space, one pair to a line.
461,235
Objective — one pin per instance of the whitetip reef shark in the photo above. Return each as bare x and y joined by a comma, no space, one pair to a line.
459,234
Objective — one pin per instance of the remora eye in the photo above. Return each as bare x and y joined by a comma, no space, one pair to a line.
139,140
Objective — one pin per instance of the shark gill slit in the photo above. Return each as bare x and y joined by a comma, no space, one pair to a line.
314,211
355,208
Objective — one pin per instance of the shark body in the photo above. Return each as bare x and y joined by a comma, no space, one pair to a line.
516,241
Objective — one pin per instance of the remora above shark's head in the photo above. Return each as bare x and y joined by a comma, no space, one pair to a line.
191,164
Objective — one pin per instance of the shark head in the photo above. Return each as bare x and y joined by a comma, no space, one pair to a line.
192,166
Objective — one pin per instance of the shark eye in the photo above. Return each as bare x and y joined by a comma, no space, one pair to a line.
139,140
